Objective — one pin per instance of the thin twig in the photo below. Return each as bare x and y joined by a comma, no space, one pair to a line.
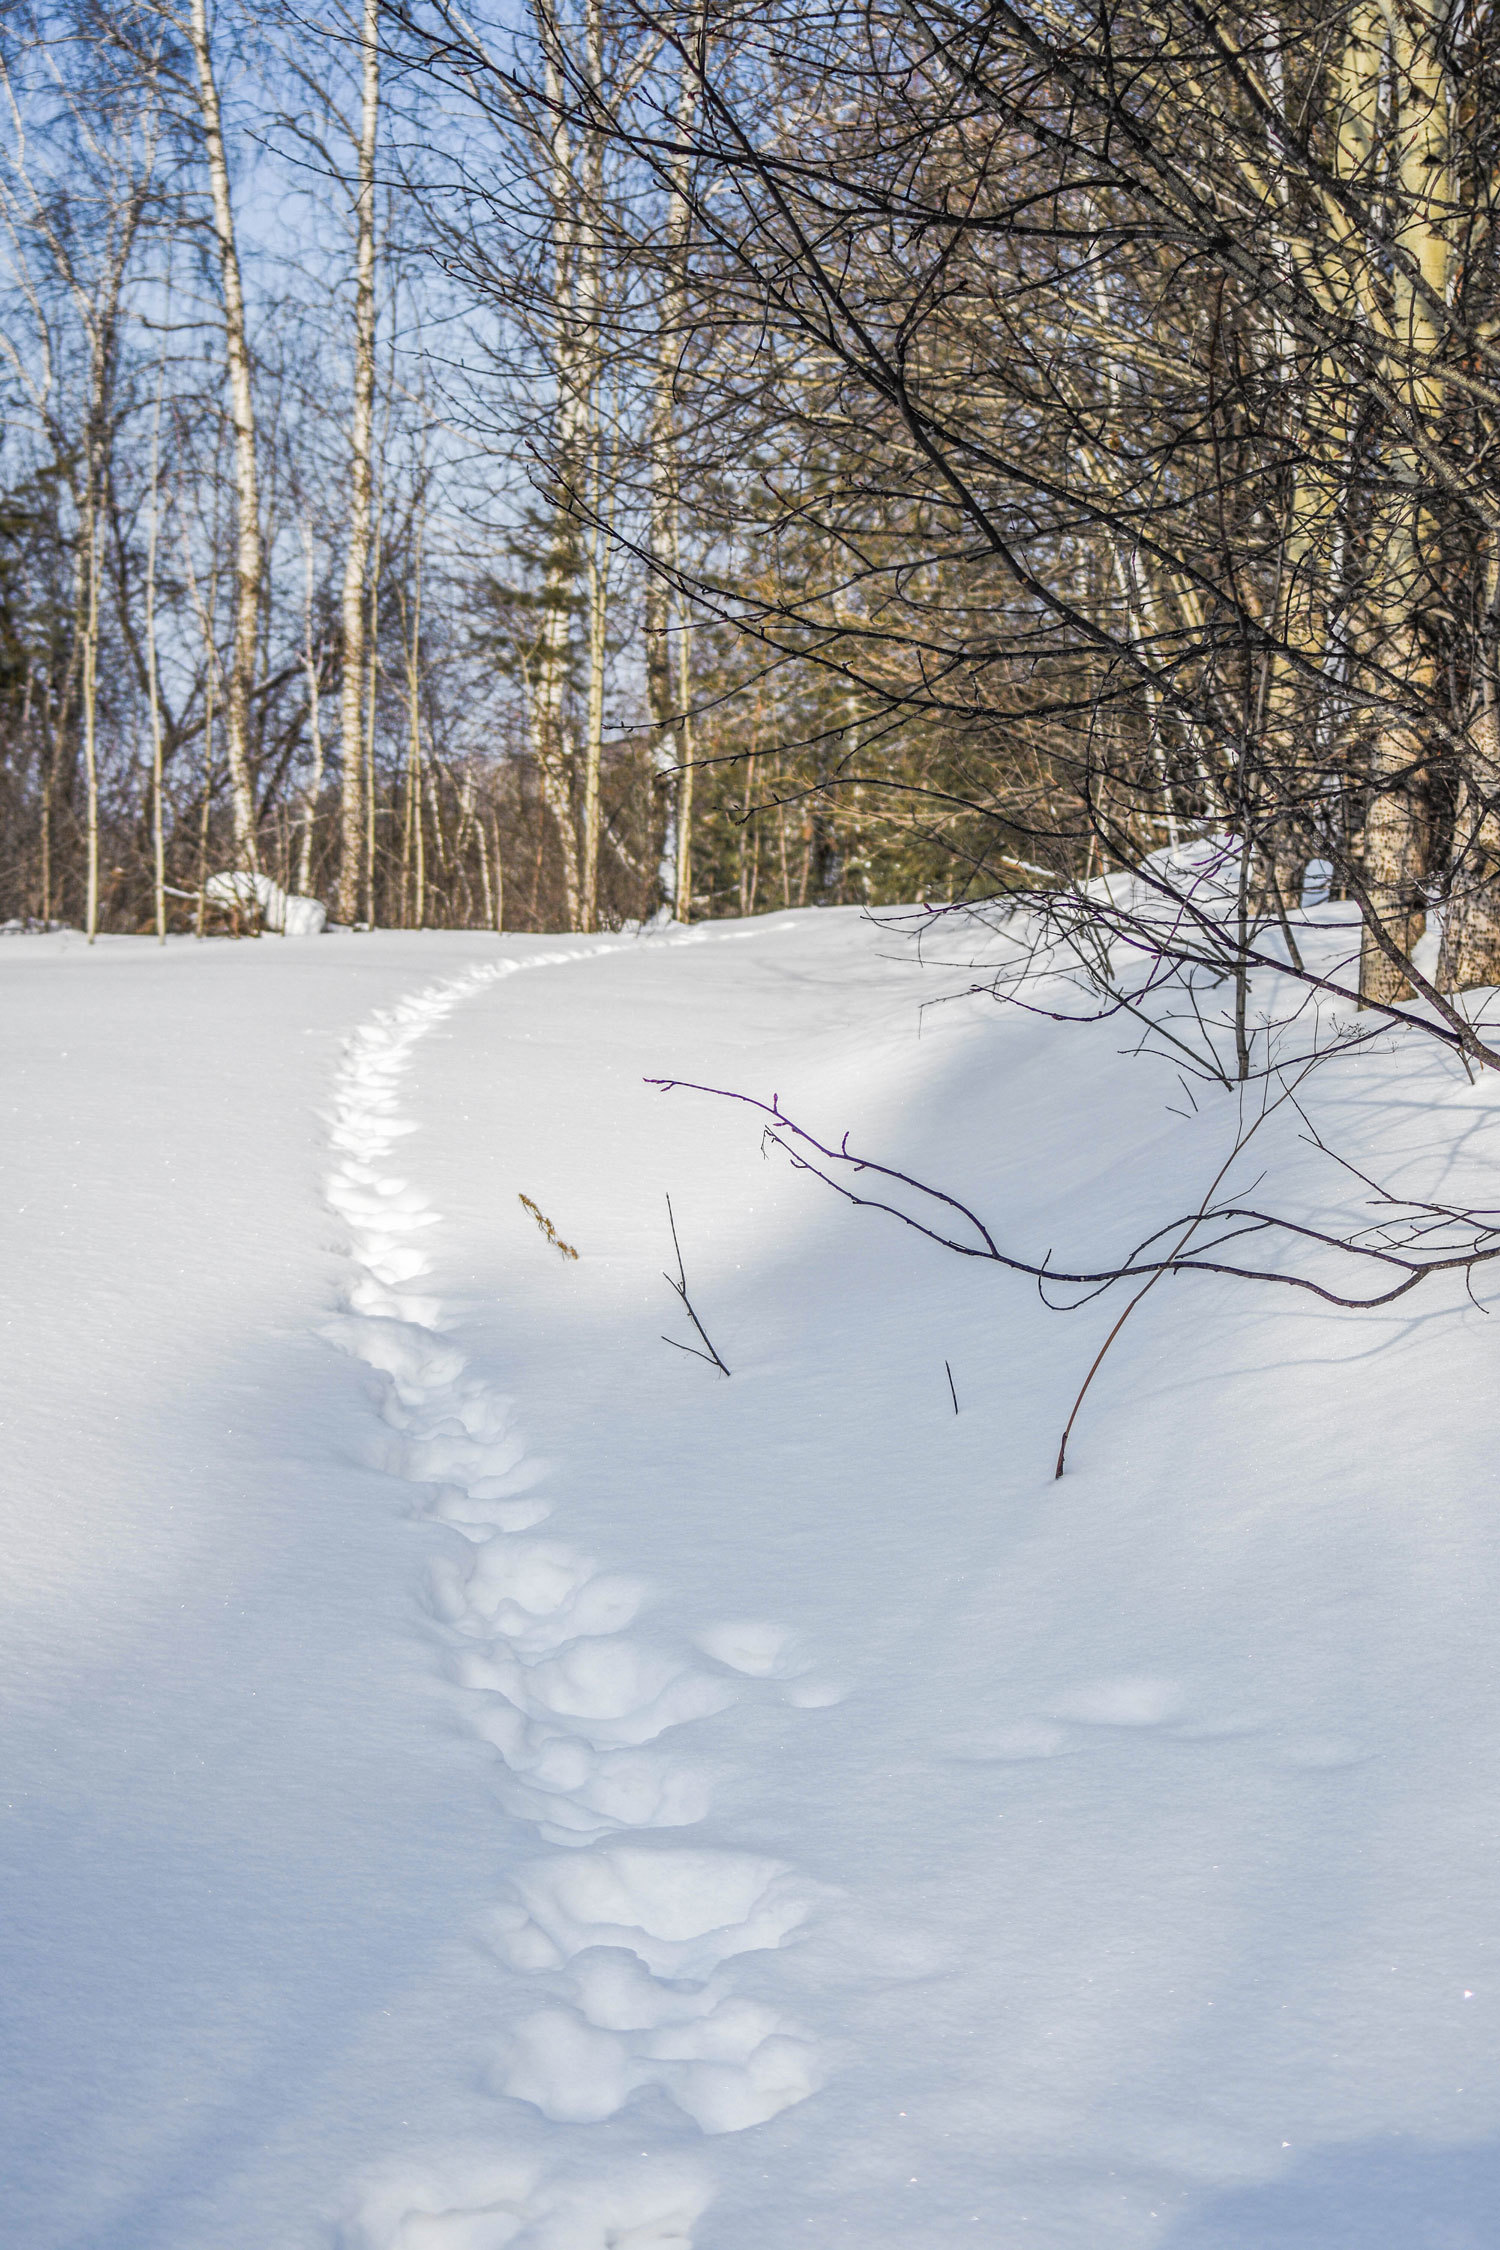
1204,1208
805,1150
1098,1363
680,1286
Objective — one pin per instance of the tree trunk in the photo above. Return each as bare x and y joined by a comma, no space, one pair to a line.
1395,830
153,683
413,842
91,712
669,754
554,752
666,759
352,822
588,310
1471,933
310,658
594,739
367,743
1393,864
249,556
683,883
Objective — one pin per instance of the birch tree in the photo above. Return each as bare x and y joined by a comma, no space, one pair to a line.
354,817
249,553
665,683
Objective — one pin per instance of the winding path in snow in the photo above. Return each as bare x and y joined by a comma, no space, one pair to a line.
631,1940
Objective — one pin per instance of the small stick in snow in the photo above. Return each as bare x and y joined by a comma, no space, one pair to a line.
952,1392
548,1229
680,1286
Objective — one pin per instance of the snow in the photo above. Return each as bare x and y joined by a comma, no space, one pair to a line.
478,1780
285,912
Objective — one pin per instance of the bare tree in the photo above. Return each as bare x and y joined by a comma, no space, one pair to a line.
361,480
249,557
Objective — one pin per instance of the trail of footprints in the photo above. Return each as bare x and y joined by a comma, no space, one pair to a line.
631,1938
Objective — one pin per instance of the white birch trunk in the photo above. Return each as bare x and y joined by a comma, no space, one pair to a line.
91,711
590,376
205,612
355,816
669,730
554,754
367,746
683,873
249,558
310,656
414,854
153,680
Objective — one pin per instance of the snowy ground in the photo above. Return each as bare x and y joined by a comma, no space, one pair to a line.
477,1780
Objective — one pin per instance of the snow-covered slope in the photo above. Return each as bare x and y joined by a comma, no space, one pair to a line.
476,1779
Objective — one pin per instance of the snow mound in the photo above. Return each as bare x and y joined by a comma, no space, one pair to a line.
285,912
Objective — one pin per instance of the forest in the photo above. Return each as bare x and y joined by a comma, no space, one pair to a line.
587,463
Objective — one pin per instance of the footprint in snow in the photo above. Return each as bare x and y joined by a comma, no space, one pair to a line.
637,1942
644,1935
761,1651
1124,1701
472,2201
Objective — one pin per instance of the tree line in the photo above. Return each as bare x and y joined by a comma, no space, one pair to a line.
548,469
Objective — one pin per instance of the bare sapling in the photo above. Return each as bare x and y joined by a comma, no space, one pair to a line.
680,1289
